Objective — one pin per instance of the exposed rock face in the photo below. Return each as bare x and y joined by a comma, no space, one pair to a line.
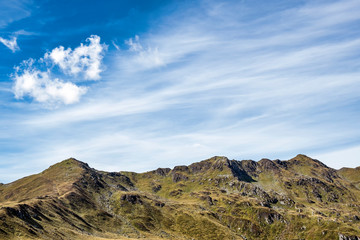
344,237
162,171
181,169
270,217
156,188
131,198
243,170
176,177
216,198
200,166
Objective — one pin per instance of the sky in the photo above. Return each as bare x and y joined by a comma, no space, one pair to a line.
135,85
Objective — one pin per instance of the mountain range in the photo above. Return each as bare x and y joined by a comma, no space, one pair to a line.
217,198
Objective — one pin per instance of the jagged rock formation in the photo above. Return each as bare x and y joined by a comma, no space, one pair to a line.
216,198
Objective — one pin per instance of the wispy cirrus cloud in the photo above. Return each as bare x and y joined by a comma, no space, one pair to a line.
144,57
11,11
37,79
10,43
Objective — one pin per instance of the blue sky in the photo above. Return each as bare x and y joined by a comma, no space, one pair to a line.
136,85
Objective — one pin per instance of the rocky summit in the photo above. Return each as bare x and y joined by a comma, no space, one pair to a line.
217,198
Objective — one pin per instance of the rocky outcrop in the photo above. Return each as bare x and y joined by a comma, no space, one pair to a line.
345,237
176,177
131,198
162,171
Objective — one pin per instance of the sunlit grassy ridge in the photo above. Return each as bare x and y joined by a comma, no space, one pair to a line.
216,198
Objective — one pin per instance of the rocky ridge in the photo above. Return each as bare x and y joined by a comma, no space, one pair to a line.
217,198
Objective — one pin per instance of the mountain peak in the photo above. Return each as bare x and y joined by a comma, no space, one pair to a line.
71,162
54,181
67,166
303,159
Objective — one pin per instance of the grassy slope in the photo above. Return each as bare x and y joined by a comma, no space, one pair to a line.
55,181
352,175
296,199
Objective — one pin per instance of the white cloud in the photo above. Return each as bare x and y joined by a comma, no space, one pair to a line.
11,43
85,59
43,87
147,57
40,86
